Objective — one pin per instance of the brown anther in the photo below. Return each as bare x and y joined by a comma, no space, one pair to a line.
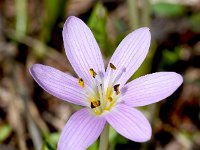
95,104
116,88
81,82
110,99
92,72
112,66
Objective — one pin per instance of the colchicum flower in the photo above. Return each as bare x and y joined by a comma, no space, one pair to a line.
105,95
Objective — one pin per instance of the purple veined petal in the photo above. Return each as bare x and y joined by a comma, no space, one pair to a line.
130,54
81,130
59,84
82,49
151,88
130,123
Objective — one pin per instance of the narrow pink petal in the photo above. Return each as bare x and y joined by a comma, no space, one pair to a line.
59,84
82,49
151,88
130,54
81,131
130,123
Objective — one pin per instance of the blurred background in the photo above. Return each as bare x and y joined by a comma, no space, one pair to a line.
31,32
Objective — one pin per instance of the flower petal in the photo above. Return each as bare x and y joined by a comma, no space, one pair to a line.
130,123
59,84
151,88
130,54
82,49
81,131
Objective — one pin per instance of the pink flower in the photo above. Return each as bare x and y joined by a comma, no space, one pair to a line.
104,95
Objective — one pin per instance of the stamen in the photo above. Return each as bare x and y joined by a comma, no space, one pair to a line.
92,72
109,92
95,104
110,75
81,82
116,88
110,99
112,66
100,93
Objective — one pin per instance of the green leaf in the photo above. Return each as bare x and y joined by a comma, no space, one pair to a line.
51,141
195,21
112,138
5,131
97,23
122,140
170,57
53,10
94,146
112,134
168,9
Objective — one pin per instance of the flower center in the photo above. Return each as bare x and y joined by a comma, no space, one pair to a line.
104,94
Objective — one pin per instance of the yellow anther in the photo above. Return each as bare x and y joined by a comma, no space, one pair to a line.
112,66
110,99
81,82
116,88
95,104
92,72
97,112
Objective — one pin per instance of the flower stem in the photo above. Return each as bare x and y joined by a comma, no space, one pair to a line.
103,145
